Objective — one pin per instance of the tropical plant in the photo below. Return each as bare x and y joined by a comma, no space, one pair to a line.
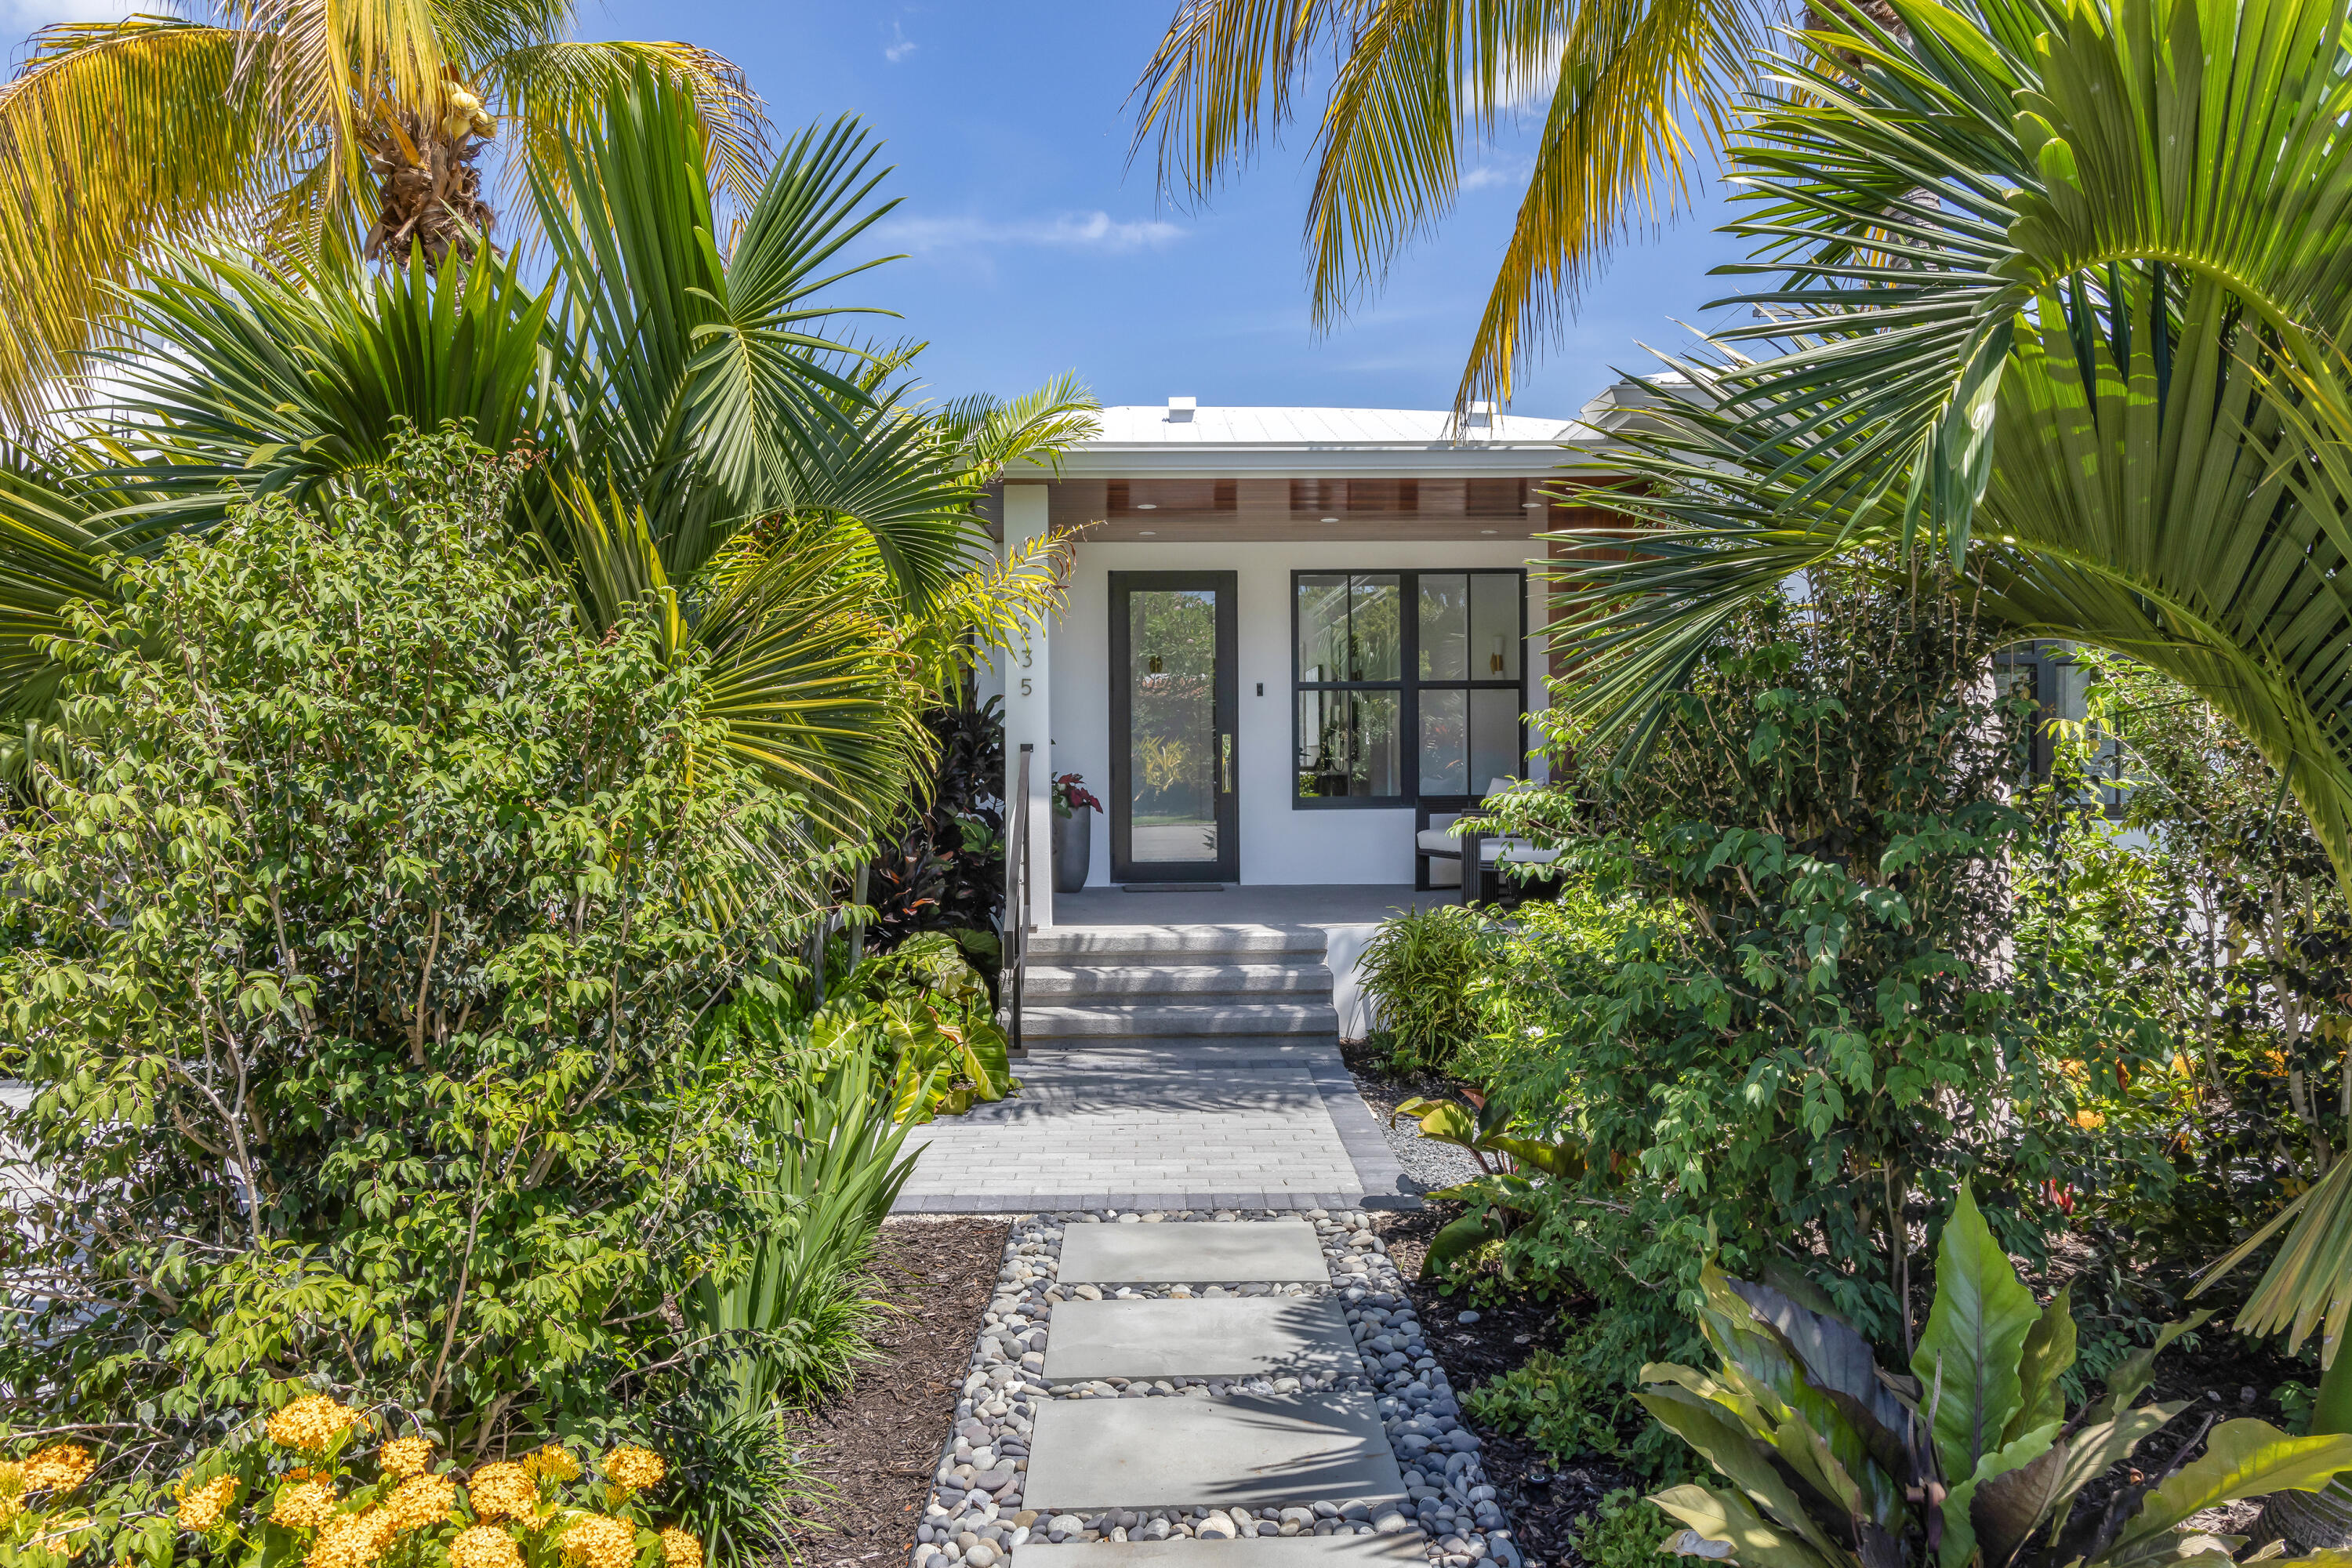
925,1012
1632,98
2028,311
1071,796
1503,1193
828,1170
353,956
704,455
311,130
1835,1462
945,870
1418,974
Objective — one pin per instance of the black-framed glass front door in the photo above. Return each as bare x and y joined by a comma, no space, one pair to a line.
1174,691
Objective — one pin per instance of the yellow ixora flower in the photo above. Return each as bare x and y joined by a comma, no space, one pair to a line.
59,1468
598,1541
502,1491
200,1508
352,1540
420,1501
310,1422
681,1548
406,1456
304,1505
633,1468
553,1462
483,1546
2089,1121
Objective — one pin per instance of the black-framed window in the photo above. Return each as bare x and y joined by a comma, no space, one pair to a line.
1410,686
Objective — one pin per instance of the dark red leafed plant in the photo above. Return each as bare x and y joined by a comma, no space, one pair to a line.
1071,796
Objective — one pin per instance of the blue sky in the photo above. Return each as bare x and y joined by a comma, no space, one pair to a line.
1036,248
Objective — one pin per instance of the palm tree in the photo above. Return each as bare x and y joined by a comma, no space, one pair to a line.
703,445
1634,96
2058,292
301,128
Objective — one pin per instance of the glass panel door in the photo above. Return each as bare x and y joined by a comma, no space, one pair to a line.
1173,773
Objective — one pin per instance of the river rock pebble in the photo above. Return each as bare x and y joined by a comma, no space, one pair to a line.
975,1519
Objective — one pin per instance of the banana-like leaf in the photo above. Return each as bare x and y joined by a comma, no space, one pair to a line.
1960,1545
1726,1516
1716,1438
2049,1352
1967,1359
2241,1460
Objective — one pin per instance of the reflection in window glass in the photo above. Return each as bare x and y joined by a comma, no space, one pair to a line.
1493,627
1349,744
1445,741
1494,737
1171,728
1323,627
1375,629
1444,626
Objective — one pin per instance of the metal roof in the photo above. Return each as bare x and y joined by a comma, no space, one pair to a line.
1154,440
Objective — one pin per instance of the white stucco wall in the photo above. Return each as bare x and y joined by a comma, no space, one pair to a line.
1278,844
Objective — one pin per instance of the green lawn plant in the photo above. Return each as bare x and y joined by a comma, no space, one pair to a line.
1417,974
360,919
922,1010
1969,1459
1504,1191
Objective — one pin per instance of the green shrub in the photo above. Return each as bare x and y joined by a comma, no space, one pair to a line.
1418,975
360,922
1811,1028
1554,1404
1625,1529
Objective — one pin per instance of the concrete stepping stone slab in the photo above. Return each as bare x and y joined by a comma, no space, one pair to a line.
1404,1549
1272,1250
1258,1451
1250,1336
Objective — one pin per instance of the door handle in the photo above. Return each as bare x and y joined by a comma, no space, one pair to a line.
1227,766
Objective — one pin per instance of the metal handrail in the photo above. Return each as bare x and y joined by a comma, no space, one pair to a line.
1014,953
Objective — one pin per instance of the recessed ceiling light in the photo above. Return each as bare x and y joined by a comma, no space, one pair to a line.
1485,530
1147,533
1327,519
1531,505
1147,506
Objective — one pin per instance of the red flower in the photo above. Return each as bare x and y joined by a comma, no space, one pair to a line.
1071,793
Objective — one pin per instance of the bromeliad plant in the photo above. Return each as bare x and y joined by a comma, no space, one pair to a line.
1972,1461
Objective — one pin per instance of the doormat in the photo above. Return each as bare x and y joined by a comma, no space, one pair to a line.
1173,886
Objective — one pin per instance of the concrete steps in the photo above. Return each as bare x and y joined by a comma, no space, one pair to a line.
1127,985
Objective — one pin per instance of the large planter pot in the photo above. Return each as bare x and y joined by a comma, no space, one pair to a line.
1073,841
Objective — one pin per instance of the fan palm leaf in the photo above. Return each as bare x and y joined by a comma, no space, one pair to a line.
2059,290
1636,93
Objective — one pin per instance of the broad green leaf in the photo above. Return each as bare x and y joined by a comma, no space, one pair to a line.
2049,1352
1967,1361
2128,1380
1728,1446
2241,1460
1726,1517
1959,1543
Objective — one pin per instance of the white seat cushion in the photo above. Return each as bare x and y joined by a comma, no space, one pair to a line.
1440,841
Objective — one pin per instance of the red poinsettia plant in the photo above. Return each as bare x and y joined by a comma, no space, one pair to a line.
1071,796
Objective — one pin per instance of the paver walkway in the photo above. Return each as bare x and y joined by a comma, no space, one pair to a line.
1143,1126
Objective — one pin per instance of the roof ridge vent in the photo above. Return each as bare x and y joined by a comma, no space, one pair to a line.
1181,409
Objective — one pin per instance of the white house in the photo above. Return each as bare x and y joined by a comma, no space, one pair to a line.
1293,635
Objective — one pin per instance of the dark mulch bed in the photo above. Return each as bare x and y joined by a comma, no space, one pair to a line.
876,1445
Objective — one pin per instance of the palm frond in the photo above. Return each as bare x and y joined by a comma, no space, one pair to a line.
1224,77
113,133
988,433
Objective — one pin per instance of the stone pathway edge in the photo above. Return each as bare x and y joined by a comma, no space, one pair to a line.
974,1517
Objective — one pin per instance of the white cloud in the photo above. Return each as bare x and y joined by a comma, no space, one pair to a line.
900,46
1072,231
1507,173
